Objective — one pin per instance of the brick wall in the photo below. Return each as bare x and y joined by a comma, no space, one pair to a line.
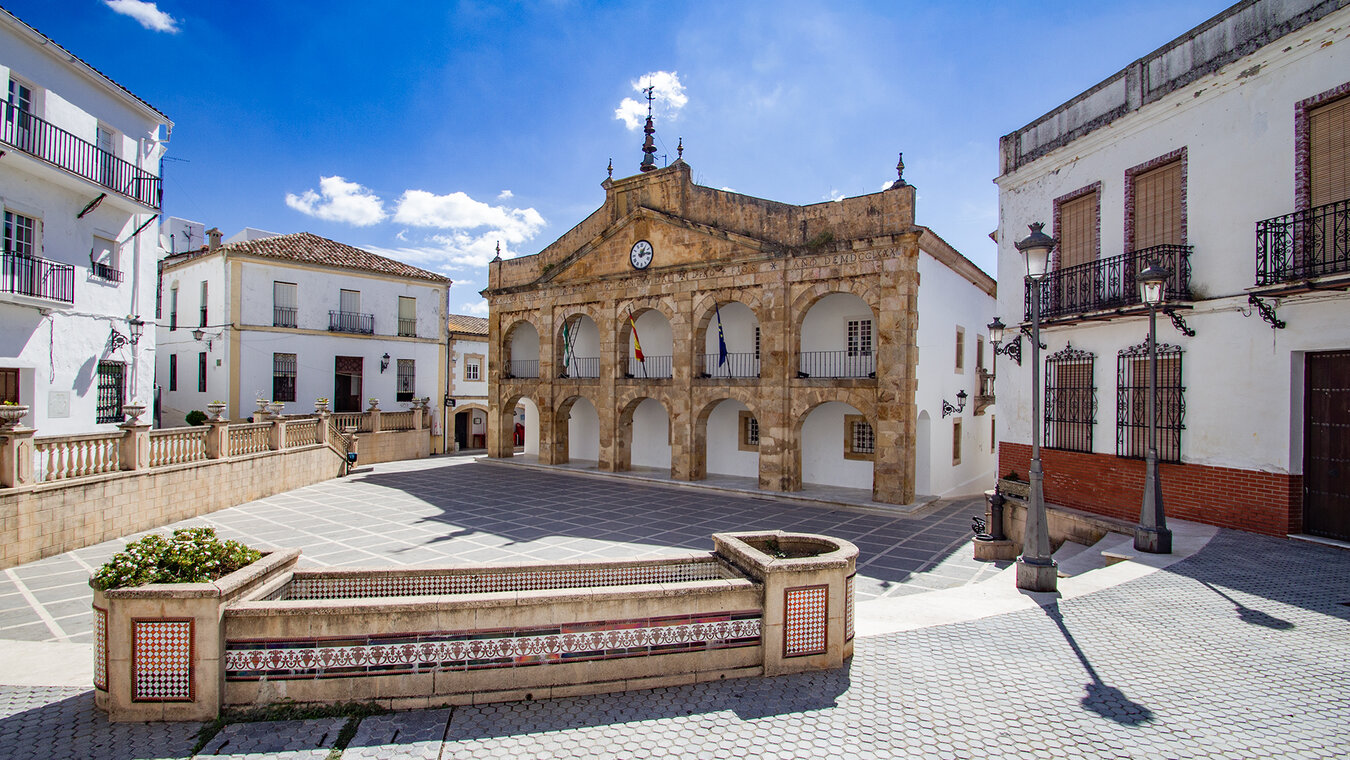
1250,500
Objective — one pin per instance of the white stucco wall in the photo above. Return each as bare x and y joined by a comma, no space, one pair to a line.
583,432
823,461
825,327
459,387
530,418
651,435
724,453
654,334
1238,129
524,342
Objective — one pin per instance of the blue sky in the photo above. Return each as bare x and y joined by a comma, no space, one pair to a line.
427,131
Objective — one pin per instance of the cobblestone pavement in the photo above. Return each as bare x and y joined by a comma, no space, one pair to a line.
1235,652
452,509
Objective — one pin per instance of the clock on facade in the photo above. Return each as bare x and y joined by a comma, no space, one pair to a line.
641,255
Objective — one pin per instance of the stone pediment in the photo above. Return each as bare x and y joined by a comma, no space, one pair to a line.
676,243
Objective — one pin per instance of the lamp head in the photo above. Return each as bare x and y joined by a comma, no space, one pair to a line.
1035,249
996,331
1152,282
198,334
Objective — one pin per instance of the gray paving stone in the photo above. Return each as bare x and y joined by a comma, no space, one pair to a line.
415,735
281,739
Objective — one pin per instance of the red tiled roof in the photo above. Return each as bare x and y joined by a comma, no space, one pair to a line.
311,249
463,323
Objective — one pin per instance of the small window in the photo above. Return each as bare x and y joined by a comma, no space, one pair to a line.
473,367
173,308
407,379
859,438
283,377
979,353
993,437
201,372
960,349
1132,402
956,441
20,235
204,295
111,390
103,259
173,372
1070,400
9,386
749,432
1329,152
285,304
107,157
859,337
1079,219
1157,212
407,316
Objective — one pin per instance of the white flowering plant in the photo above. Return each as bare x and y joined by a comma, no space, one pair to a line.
190,555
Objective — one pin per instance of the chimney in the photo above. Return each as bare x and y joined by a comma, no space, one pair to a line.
213,238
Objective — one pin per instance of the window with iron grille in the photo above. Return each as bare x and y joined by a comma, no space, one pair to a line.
173,372
859,439
1070,399
1132,402
201,372
283,377
748,440
859,337
407,376
111,387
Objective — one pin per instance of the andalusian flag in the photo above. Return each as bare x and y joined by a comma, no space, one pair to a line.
721,338
637,347
567,346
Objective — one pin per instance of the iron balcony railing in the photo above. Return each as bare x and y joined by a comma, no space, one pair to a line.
407,328
284,316
837,364
1109,283
37,277
736,365
1305,244
524,368
105,271
581,366
351,322
44,140
650,367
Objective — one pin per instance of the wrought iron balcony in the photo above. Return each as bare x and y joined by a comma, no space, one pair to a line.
351,322
284,316
1303,245
737,365
522,368
837,364
46,141
581,366
407,328
654,367
37,277
105,271
1109,283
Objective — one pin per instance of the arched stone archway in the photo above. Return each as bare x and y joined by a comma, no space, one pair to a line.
577,422
740,322
837,446
727,436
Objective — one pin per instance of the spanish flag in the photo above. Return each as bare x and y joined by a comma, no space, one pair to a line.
637,347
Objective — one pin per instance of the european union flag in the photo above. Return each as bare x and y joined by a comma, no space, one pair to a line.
721,338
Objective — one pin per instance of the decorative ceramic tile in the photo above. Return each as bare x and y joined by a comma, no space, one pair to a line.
100,649
320,587
805,617
387,655
848,607
161,655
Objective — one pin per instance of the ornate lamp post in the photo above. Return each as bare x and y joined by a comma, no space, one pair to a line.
1036,570
1152,534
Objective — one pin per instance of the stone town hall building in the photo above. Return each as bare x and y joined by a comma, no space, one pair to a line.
818,307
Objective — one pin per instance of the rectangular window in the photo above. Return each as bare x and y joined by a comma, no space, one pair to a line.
1079,220
473,368
993,435
1070,400
20,234
349,301
1157,211
956,441
407,316
107,152
859,439
407,379
201,372
979,353
1132,402
283,377
103,259
748,440
285,304
9,386
173,308
860,337
18,116
173,372
204,294
111,387
960,349
1329,152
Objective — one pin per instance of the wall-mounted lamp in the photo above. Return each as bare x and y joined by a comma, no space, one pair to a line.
960,404
201,335
384,363
136,326
115,339
997,332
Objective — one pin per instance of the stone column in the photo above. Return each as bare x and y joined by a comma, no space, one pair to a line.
16,456
217,439
276,437
679,401
321,430
133,450
779,455
897,354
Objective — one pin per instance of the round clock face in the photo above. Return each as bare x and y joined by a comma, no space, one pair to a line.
641,255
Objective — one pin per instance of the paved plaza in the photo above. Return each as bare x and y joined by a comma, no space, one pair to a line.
1238,651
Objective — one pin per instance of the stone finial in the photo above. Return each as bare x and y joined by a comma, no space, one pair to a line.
648,145
679,150
899,173
610,169
498,257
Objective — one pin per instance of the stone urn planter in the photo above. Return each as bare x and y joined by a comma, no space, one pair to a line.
11,414
217,410
276,407
374,405
320,405
133,412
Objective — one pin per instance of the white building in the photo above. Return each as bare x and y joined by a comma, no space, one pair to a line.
295,318
80,191
1224,155
466,392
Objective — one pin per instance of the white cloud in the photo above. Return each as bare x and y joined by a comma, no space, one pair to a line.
480,308
667,92
339,201
149,16
505,195
457,211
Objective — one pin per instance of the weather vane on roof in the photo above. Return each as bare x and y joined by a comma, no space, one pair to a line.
648,146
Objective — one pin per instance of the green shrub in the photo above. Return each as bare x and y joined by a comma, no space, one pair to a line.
190,555
196,417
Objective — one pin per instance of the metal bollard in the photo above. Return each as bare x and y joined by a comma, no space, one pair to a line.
996,516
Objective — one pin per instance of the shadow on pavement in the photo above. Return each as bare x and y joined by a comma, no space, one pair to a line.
73,727
1101,698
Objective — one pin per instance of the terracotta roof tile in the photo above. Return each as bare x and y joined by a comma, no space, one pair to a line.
311,249
463,323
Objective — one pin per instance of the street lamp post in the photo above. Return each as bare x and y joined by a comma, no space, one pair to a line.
1036,569
1152,535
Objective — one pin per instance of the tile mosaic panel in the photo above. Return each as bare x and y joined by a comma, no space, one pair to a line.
477,583
472,650
100,649
805,620
848,607
161,657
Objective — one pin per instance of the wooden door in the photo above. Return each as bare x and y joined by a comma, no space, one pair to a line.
1326,445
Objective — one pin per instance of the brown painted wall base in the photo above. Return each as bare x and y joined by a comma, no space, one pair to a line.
1104,484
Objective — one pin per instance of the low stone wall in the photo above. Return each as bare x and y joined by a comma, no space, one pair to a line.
40,520
392,445
761,604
